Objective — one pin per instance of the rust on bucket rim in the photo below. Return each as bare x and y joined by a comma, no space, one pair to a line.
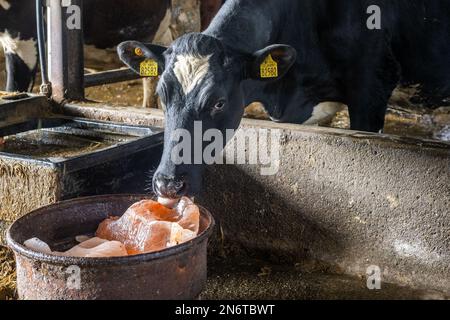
126,260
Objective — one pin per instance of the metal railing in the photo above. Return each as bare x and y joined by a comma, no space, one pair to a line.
108,77
65,78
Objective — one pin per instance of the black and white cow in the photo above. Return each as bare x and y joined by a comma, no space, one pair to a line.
18,38
105,26
325,50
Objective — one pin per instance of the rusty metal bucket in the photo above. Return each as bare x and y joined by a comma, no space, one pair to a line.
175,273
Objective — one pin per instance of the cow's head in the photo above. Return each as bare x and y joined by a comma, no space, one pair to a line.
201,80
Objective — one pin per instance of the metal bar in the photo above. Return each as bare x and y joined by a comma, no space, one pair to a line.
75,56
110,76
41,40
66,58
55,50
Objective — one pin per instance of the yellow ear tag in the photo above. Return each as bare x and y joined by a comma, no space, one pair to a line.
269,68
149,68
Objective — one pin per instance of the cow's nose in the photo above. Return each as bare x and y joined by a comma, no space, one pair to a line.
169,187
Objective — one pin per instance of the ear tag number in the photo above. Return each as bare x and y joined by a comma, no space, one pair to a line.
149,68
269,68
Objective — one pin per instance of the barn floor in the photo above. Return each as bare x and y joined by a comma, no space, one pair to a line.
247,279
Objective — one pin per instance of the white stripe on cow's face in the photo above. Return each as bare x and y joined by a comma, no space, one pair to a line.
191,70
5,4
323,112
25,49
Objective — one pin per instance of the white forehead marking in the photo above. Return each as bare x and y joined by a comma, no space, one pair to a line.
323,112
25,49
190,70
5,4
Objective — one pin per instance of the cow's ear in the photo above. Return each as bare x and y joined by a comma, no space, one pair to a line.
143,58
272,63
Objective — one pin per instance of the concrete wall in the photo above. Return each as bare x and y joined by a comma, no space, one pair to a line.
344,199
348,200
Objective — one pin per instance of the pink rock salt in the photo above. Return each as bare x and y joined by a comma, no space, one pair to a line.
97,248
149,226
91,248
189,215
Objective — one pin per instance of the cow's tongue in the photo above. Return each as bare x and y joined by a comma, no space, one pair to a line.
167,202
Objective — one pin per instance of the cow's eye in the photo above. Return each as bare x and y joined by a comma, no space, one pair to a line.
218,107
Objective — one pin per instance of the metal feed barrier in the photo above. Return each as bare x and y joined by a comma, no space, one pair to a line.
64,79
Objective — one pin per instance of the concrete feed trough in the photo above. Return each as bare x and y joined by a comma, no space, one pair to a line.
175,273
346,199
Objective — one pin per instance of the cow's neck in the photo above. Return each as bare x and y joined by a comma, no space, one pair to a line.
247,25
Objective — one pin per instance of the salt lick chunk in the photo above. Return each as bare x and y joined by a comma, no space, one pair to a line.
169,203
137,236
91,248
82,238
153,211
91,243
38,246
149,226
189,215
97,248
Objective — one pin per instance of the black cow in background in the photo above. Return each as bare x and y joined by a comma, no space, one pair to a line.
18,38
106,23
